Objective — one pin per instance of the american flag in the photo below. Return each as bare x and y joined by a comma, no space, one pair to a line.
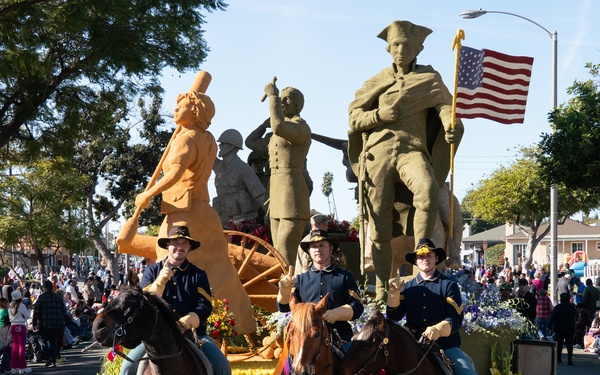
492,85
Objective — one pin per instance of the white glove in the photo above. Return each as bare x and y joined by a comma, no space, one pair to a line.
285,286
343,312
158,286
442,329
394,289
189,321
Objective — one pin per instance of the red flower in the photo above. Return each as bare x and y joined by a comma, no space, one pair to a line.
215,334
217,324
232,322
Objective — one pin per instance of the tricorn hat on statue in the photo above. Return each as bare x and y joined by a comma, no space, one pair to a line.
404,30
317,236
425,246
178,231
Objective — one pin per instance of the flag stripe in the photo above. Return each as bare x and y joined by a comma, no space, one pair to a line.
491,105
512,97
492,85
472,101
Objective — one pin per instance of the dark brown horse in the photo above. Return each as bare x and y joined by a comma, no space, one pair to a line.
309,341
135,317
383,344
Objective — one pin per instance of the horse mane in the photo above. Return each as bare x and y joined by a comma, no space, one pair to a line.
306,314
371,325
132,279
170,316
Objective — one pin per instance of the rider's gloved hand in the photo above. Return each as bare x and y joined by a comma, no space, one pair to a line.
394,288
158,286
343,312
189,321
442,329
285,287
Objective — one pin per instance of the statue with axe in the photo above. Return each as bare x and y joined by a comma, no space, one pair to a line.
186,166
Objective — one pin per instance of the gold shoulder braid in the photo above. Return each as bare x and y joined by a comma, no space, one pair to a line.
459,309
353,294
204,293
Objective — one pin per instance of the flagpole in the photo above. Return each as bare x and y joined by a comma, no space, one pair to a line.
460,35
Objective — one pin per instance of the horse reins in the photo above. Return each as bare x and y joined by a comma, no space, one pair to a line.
383,345
119,331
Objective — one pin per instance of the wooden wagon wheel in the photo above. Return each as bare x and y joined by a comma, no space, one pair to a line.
259,266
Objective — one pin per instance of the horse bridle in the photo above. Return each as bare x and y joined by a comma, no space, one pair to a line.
119,331
325,340
383,346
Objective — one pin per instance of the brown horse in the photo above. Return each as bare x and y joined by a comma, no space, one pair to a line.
135,317
309,340
383,344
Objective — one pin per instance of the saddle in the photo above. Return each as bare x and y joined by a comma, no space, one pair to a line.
438,354
194,347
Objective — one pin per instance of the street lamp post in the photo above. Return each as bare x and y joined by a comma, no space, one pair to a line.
468,14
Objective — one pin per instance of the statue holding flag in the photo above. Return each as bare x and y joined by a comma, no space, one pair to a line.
400,133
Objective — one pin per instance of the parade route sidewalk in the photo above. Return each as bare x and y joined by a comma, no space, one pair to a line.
583,363
89,363
74,361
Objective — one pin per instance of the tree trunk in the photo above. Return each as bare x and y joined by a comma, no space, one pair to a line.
110,259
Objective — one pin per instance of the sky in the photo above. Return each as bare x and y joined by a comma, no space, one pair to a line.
327,49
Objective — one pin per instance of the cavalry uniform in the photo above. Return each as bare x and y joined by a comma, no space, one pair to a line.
428,302
187,291
313,285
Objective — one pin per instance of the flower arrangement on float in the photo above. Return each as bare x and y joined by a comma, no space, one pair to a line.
484,311
250,226
344,227
220,324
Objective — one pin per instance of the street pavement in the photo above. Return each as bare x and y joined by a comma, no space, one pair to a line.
89,362
74,361
583,363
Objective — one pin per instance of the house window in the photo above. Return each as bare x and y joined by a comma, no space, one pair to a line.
598,246
576,246
519,251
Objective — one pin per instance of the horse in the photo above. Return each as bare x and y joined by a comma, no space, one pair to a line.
383,344
136,317
309,342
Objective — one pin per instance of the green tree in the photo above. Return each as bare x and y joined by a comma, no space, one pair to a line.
477,225
517,194
116,167
571,154
68,73
327,190
495,254
41,210
54,53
